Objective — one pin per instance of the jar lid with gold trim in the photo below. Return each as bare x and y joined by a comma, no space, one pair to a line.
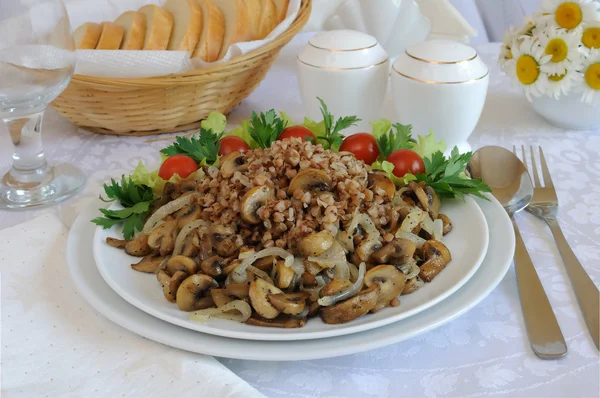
441,62
342,49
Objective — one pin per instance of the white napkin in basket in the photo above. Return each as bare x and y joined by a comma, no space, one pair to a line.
54,344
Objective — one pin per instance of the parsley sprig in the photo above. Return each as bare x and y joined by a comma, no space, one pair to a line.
203,148
446,175
333,137
265,128
392,141
136,200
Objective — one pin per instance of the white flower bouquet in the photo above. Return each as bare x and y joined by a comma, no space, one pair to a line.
557,51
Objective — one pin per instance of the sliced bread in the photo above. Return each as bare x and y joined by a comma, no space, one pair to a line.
237,26
282,8
159,23
111,36
87,35
254,8
187,24
268,18
213,30
134,24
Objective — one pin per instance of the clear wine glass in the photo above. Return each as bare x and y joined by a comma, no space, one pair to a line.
37,60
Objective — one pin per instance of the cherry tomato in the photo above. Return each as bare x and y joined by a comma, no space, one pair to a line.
232,144
296,132
363,146
406,161
177,164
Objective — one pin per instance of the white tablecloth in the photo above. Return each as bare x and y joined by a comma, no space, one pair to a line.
483,353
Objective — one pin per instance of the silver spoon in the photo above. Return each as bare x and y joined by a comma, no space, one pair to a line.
511,185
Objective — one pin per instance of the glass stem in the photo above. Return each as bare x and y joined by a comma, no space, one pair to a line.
29,168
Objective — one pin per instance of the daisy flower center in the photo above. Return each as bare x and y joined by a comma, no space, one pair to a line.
591,38
568,15
557,78
528,69
558,49
592,76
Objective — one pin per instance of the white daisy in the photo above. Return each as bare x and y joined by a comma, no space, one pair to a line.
563,47
590,35
569,14
562,84
591,78
528,58
505,50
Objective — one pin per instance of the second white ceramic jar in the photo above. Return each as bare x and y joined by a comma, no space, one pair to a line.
349,70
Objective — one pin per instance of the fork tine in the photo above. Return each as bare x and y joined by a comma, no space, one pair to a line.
524,157
536,177
545,171
515,151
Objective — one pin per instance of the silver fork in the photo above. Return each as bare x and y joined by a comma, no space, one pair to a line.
545,206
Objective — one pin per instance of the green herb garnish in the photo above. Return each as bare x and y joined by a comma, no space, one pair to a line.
136,200
265,128
203,149
392,141
333,137
447,175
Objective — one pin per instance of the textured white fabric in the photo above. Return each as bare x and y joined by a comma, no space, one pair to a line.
483,353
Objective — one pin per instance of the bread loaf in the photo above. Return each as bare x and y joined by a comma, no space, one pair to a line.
87,35
237,26
187,24
282,8
213,31
111,36
159,23
134,25
254,9
268,18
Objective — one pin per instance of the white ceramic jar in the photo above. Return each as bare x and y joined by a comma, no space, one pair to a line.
440,85
348,70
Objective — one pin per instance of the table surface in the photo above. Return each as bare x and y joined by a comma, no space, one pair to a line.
483,353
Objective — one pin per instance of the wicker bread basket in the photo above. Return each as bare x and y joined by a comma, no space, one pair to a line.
166,104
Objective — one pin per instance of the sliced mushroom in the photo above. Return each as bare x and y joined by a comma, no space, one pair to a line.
181,263
172,285
192,293
116,243
252,201
175,190
311,267
289,303
308,280
436,256
380,184
285,275
335,286
265,263
365,250
227,246
162,239
352,308
313,309
137,247
149,264
259,290
187,214
213,266
446,222
429,199
232,162
231,266
310,180
390,280
398,251
221,297
205,249
281,321
190,245
411,286
315,244
239,290
163,277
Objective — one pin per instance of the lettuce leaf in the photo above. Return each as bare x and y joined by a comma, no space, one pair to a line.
287,120
243,132
217,122
427,145
380,127
389,169
141,176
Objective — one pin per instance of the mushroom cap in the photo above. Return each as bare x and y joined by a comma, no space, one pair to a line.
285,275
436,256
172,285
315,244
398,251
181,263
380,184
221,297
282,321
232,162
335,286
390,280
351,308
411,286
192,293
162,277
259,290
162,238
366,248
252,201
446,223
187,214
213,266
310,180
289,303
149,264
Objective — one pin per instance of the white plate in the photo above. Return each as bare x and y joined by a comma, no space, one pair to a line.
467,243
90,285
